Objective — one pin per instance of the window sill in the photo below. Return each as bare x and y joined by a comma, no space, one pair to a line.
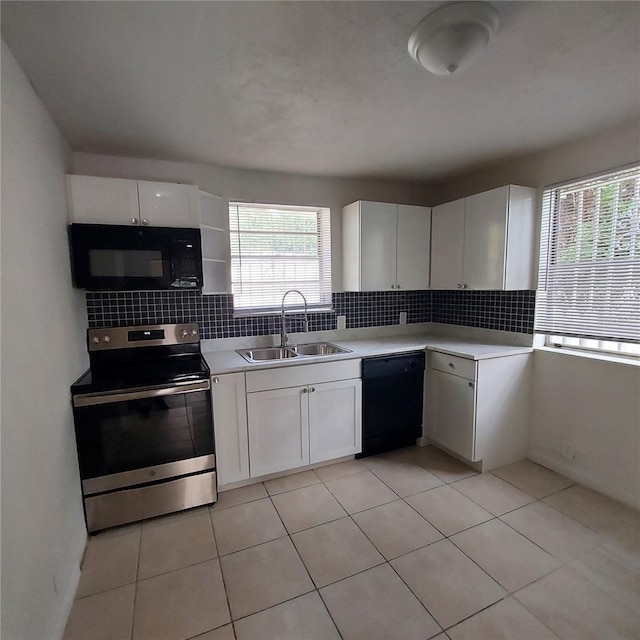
568,351
288,312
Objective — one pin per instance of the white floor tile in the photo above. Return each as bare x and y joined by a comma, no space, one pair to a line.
450,586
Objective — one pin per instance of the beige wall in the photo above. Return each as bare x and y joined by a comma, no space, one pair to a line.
590,405
43,352
260,186
608,149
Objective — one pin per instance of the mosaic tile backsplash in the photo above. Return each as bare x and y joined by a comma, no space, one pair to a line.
503,310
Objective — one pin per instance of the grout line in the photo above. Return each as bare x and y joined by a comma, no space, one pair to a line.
135,590
388,562
288,535
528,492
455,624
601,538
291,475
335,624
223,508
526,537
97,593
224,584
316,589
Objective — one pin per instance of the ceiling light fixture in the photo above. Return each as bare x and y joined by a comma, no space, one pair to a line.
450,37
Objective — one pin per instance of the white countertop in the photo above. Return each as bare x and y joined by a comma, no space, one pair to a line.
230,361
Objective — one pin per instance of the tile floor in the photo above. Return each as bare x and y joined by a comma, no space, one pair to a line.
407,545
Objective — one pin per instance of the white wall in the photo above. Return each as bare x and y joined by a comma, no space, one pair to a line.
261,186
591,405
43,352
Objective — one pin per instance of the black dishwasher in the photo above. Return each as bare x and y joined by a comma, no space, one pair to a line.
392,391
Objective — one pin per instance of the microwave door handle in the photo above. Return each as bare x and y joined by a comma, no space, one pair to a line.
91,399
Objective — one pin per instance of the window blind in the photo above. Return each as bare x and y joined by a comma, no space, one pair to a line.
275,248
589,284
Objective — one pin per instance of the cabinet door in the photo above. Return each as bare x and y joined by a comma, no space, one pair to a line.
278,430
214,227
230,427
452,423
485,237
447,245
378,222
102,200
413,247
169,205
335,419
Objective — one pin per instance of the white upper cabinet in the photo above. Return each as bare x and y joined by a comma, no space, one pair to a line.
132,202
216,252
412,252
168,205
485,229
485,241
447,245
385,246
103,200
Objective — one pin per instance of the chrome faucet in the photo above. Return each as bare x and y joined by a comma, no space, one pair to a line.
283,331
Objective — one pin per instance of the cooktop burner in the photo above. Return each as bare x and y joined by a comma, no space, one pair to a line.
124,358
150,373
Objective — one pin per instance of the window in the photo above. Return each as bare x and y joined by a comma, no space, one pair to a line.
275,248
589,289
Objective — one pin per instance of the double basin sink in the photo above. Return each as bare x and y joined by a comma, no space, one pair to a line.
284,353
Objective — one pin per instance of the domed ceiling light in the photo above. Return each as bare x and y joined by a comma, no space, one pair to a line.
451,37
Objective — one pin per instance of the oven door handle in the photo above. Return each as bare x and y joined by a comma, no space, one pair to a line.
89,399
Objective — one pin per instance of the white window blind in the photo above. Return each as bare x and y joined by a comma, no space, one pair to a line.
275,248
590,259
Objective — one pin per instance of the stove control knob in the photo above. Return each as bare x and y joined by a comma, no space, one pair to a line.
106,339
184,333
95,340
194,332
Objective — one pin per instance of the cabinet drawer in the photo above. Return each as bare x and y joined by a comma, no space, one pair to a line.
303,374
463,367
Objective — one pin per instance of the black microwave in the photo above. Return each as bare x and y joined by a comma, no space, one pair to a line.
122,258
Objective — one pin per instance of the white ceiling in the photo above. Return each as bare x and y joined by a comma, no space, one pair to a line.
323,88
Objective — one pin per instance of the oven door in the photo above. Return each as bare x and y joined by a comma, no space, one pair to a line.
131,437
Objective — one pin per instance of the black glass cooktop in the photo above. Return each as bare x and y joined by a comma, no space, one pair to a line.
142,373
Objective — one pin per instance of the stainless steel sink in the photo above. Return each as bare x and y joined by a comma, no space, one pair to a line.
269,353
319,349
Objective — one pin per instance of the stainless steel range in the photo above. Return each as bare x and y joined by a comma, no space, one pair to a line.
144,426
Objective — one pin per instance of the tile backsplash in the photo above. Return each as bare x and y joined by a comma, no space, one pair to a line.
501,310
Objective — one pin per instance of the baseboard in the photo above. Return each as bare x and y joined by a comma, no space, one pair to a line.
557,463
65,604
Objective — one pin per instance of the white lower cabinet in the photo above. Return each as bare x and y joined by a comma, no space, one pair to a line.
230,427
278,430
454,400
479,409
335,420
294,426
